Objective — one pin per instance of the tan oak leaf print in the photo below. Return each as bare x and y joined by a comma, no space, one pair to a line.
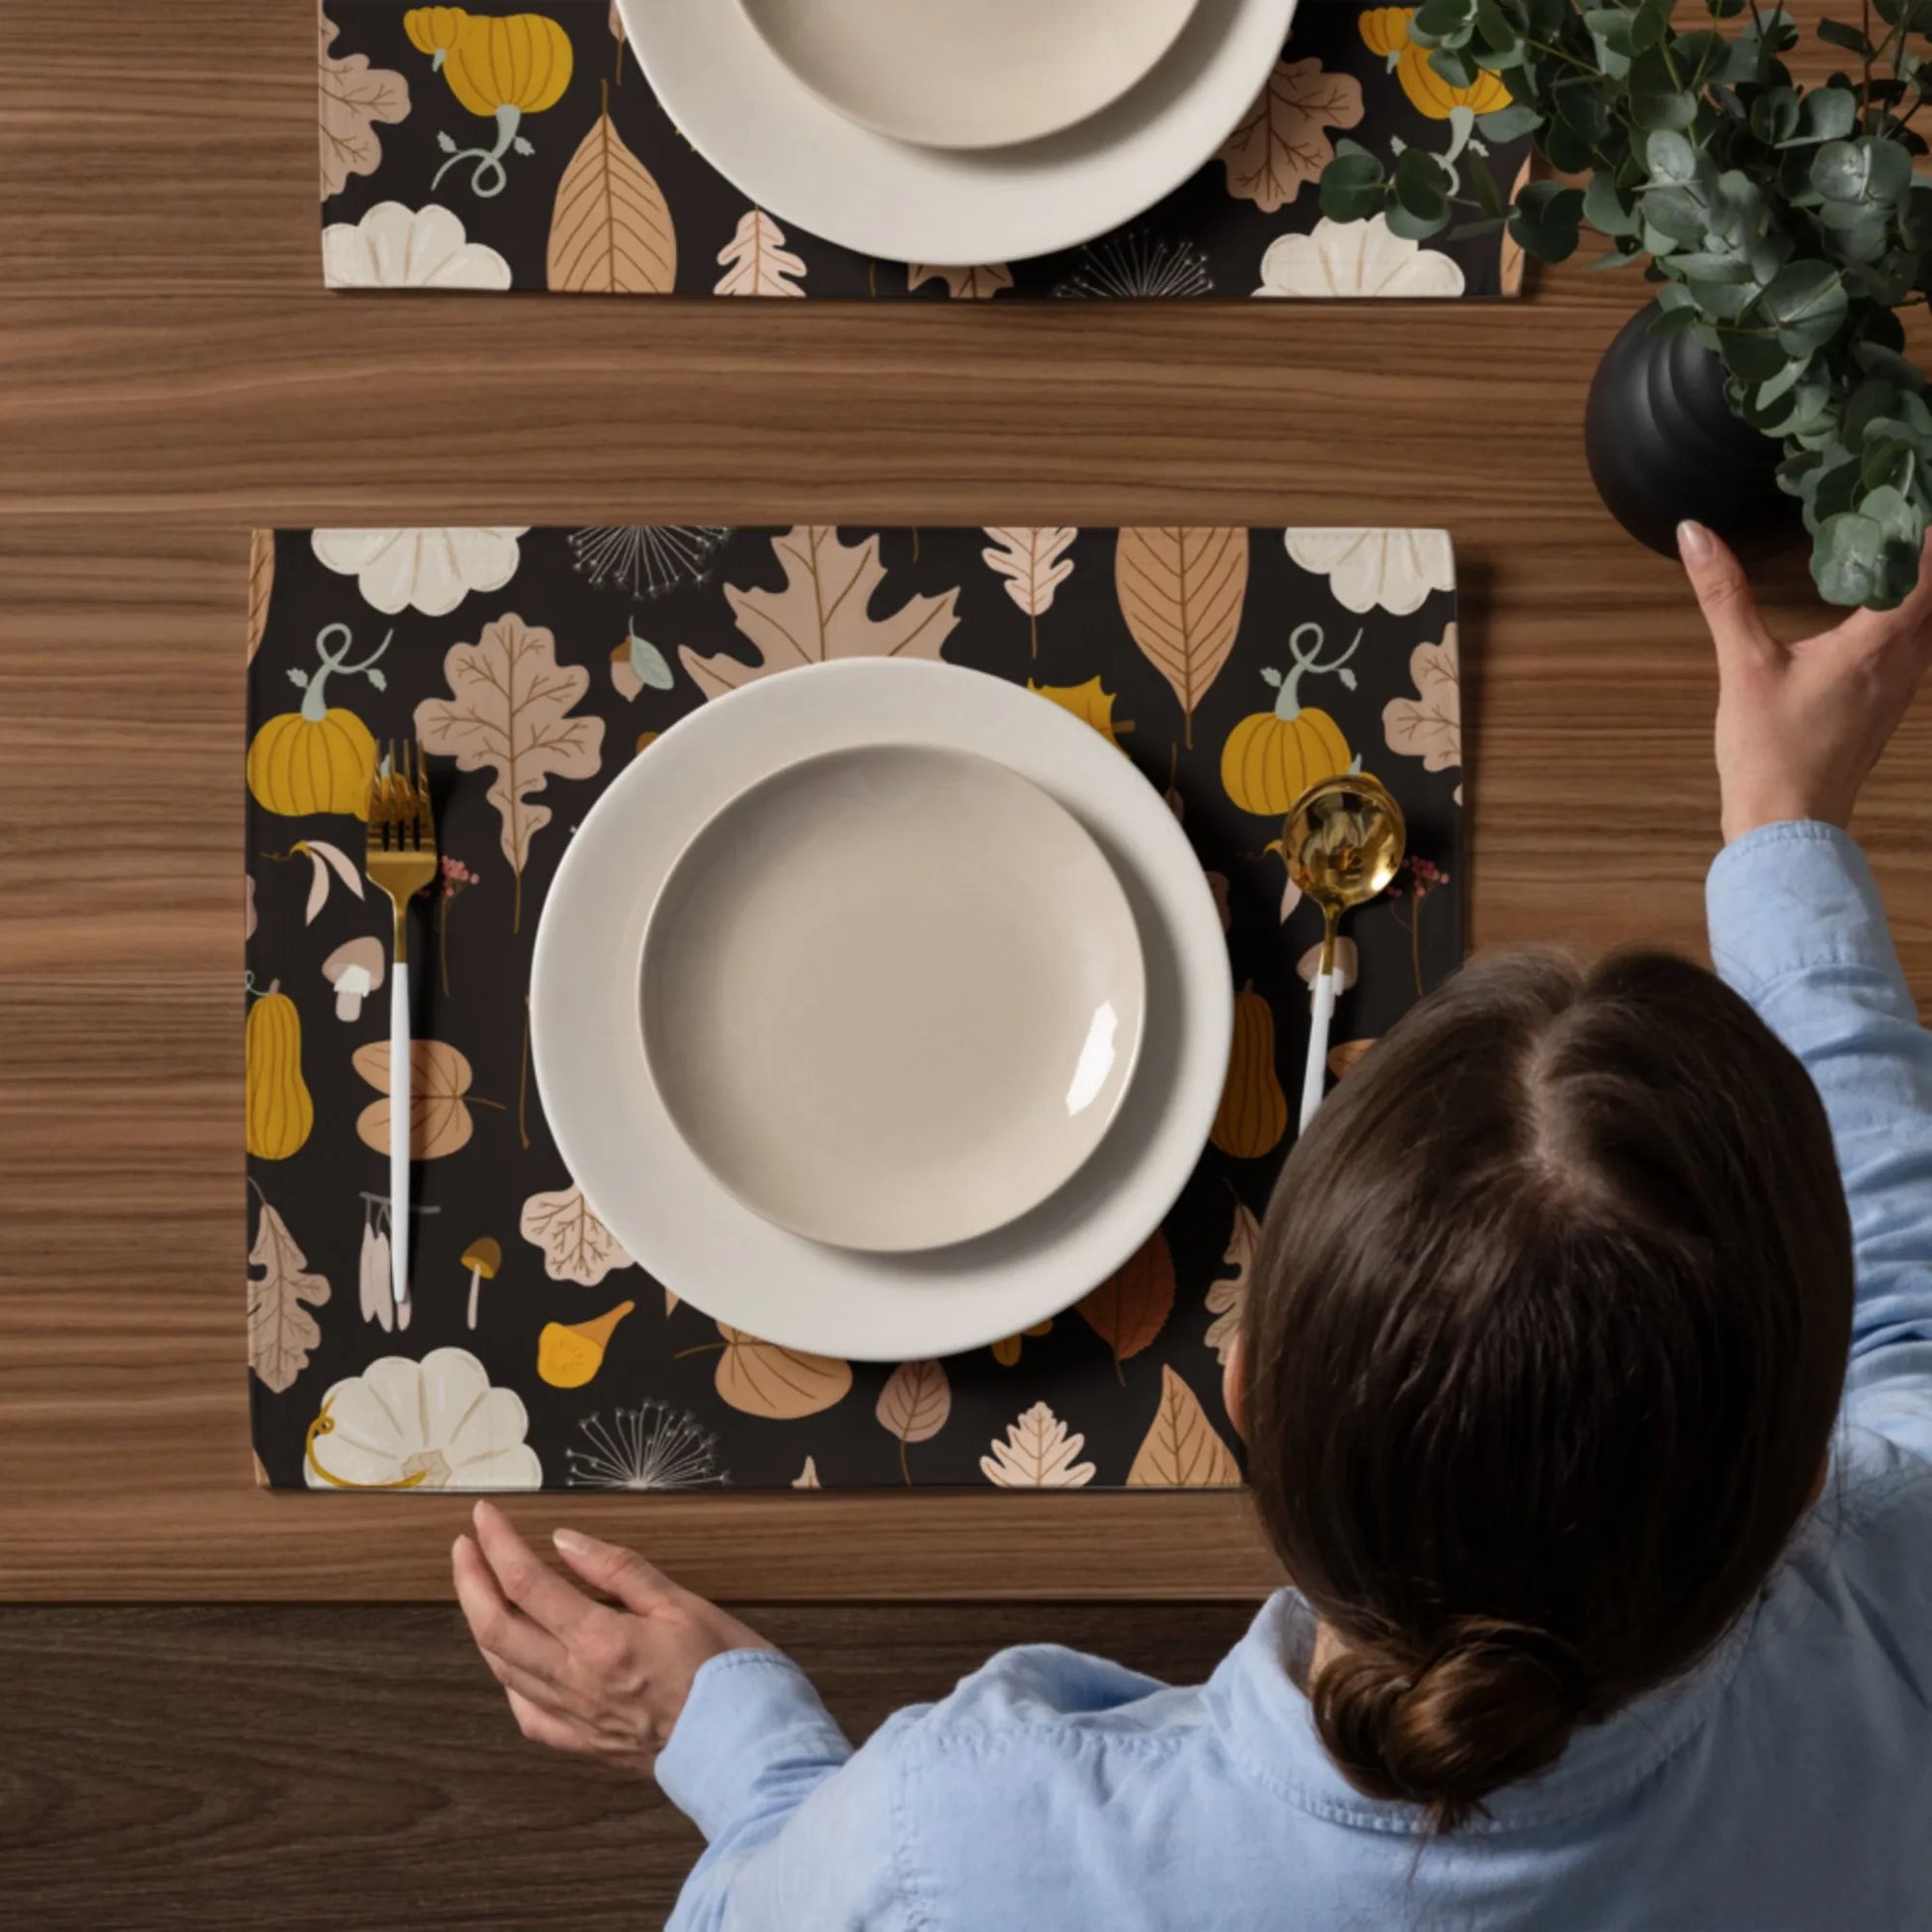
511,707
1227,1294
439,1098
823,612
352,95
1284,139
913,1406
261,586
611,231
1428,726
758,1378
978,284
1181,593
1037,1453
807,1477
281,1331
756,262
1181,1449
577,1246
1034,564
1131,1307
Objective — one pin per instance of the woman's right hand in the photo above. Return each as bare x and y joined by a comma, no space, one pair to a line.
1800,726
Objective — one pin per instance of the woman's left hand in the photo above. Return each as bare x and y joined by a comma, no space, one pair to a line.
601,1680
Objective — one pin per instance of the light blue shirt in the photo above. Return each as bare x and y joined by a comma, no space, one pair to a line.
1787,1783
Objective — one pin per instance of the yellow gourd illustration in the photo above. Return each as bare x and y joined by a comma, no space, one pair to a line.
505,65
280,1112
568,1356
1091,702
1253,1114
1273,757
317,759
1385,31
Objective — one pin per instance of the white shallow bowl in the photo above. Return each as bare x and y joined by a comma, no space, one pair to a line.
893,996
799,159
969,73
672,1215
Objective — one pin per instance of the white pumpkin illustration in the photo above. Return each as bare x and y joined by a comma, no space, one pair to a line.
1367,570
431,571
435,1423
397,248
1356,258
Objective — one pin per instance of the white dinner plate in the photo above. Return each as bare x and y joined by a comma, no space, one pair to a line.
969,73
802,160
892,997
658,1198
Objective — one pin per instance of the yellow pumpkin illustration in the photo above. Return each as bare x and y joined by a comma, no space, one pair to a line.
1273,757
1385,31
1091,702
280,1113
502,66
1253,1114
317,759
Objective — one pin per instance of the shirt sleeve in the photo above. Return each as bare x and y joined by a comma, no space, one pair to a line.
800,1826
1798,929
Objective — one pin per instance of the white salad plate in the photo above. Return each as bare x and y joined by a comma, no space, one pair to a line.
969,73
793,155
662,1202
892,997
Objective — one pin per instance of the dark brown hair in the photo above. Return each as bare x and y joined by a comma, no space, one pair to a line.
1547,1335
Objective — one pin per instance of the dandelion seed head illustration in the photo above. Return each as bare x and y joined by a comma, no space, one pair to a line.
646,559
651,1446
1138,263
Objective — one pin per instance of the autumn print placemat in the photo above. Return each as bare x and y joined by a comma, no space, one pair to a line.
536,1352
455,155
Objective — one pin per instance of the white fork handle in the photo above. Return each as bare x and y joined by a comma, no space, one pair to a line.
399,1071
1313,1078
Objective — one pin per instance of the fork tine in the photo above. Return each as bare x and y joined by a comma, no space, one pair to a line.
425,821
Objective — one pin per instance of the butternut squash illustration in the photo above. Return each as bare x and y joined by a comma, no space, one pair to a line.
280,1112
569,1355
1253,1114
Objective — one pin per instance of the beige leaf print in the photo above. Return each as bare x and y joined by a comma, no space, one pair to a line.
577,1246
761,1379
1181,1451
1284,141
439,1098
1428,726
1131,1307
350,95
978,284
1227,1294
1037,1453
1181,593
616,22
611,230
1346,1057
1509,272
509,707
823,612
261,586
756,262
1347,962
1034,564
807,1477
281,1331
913,1406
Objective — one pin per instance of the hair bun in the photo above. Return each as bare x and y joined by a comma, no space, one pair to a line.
1495,1703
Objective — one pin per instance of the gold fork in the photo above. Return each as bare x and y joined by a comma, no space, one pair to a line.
401,859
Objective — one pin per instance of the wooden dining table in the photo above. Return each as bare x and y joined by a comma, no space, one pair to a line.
224,1707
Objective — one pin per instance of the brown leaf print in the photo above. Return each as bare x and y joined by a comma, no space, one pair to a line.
1344,1059
1509,270
261,586
761,1379
823,612
1131,1307
1284,141
439,1098
281,1331
611,230
1181,1449
577,1246
913,1406
978,284
509,709
1227,1294
1181,593
352,95
1428,726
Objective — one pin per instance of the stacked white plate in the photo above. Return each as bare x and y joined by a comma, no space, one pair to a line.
957,131
880,1010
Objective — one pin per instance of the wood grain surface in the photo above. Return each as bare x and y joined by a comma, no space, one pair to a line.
353,1767
172,373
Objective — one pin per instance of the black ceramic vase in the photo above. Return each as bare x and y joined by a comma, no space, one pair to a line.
1662,445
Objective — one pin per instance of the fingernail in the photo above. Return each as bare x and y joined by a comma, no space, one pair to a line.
1693,542
456,1548
568,1540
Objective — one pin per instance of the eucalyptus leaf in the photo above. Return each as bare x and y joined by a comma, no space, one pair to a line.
1455,64
1604,209
1411,225
1444,23
1888,506
1857,561
1509,123
1672,158
1751,354
1804,303
1546,220
1836,33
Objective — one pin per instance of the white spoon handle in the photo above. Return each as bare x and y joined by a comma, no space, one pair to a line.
1313,1078
400,1071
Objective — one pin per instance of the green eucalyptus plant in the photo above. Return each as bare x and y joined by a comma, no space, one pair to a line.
1784,226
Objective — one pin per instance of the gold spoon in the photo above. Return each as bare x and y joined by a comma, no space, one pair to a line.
1343,842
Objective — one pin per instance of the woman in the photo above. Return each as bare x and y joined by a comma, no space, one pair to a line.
1614,1599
